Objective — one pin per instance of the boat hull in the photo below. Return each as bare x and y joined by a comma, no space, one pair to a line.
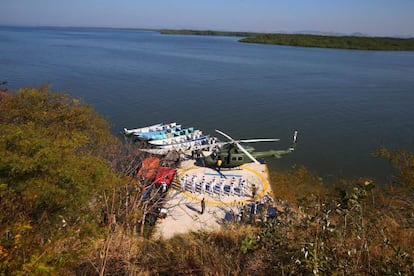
195,144
143,129
177,139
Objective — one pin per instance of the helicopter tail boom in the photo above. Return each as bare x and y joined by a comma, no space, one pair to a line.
295,140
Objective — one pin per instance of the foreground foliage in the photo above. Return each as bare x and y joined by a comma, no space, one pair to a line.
357,228
51,177
70,205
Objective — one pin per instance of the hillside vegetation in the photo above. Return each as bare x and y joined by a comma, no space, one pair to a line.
51,175
71,204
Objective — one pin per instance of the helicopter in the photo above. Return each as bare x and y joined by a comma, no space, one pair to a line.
232,154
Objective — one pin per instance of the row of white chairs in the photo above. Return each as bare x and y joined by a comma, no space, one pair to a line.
215,185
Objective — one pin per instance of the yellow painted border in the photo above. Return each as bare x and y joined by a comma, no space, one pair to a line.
220,203
262,178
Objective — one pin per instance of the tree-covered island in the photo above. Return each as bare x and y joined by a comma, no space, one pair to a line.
310,40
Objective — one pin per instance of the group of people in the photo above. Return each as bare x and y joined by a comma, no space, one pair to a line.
236,186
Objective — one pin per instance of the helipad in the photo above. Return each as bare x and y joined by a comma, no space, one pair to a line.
225,187
223,192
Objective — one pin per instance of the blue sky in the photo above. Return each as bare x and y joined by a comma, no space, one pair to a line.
372,17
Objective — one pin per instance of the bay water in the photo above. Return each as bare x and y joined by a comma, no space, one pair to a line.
345,103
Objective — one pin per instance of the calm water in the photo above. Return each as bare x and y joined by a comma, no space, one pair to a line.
345,103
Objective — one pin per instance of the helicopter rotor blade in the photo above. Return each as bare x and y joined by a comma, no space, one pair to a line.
225,135
248,140
257,140
239,146
247,153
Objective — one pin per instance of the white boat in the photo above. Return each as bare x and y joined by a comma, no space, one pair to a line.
156,127
159,134
198,142
177,139
156,151
142,129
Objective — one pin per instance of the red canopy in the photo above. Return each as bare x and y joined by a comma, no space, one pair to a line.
149,168
165,175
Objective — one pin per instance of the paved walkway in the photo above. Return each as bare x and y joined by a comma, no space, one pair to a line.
223,193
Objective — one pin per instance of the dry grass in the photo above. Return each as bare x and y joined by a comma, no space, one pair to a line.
295,184
362,230
212,253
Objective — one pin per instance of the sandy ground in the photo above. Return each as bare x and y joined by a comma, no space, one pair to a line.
184,199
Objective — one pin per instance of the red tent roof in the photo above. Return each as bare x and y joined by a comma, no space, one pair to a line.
149,167
165,175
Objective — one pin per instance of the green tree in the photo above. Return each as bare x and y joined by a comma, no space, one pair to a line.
51,178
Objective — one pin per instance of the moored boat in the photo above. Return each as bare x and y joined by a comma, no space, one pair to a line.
166,137
198,142
159,133
169,135
184,135
156,127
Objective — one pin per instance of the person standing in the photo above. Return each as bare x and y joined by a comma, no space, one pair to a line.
254,191
164,187
203,206
219,162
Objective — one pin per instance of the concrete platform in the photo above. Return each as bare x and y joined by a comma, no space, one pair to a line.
223,193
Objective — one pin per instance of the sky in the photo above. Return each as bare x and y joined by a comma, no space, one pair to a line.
370,17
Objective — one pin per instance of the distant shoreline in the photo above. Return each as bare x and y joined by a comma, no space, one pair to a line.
209,33
311,40
351,42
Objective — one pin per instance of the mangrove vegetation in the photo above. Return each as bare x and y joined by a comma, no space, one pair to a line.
208,32
310,40
340,42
